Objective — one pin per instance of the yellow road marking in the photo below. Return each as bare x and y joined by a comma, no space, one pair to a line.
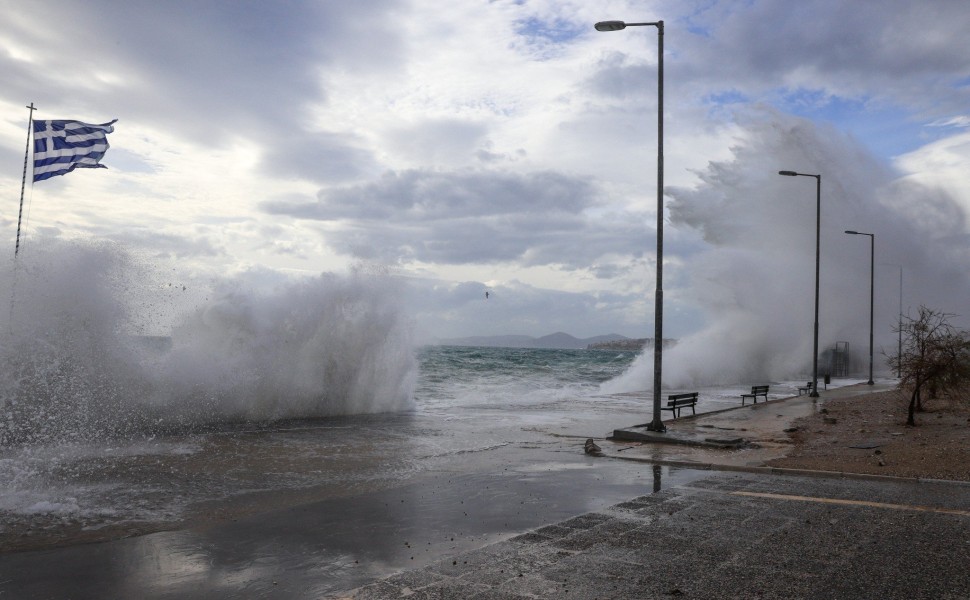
948,511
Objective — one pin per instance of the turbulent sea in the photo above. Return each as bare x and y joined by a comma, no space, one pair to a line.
465,401
458,375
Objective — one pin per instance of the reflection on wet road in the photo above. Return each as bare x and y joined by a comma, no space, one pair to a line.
323,547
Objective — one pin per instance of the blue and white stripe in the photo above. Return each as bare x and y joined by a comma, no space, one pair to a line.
62,146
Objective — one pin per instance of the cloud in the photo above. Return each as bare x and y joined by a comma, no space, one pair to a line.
471,217
618,77
161,244
515,142
438,141
941,164
957,121
895,51
242,69
443,309
318,156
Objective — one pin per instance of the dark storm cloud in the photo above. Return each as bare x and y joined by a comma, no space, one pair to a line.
470,217
910,53
617,76
319,157
421,194
212,71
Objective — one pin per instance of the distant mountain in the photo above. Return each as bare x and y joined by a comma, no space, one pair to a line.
629,344
559,340
623,345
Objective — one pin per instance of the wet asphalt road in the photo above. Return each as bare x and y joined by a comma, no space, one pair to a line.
324,548
566,526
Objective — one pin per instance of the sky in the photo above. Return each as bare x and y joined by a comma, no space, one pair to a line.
509,147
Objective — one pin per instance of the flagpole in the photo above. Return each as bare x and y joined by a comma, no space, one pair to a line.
23,181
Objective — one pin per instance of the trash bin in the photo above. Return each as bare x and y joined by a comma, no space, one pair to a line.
828,380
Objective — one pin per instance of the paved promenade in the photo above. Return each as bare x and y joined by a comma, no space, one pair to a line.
745,531
732,535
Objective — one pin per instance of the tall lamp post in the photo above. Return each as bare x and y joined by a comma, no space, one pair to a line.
818,239
872,281
657,423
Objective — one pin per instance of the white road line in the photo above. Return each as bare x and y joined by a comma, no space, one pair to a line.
947,511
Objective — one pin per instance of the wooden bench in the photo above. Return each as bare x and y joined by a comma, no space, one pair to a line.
805,388
756,390
675,402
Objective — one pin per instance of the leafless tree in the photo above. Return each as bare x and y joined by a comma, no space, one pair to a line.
935,357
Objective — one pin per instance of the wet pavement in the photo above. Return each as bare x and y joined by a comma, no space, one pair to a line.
745,531
534,517
318,549
738,535
743,436
756,421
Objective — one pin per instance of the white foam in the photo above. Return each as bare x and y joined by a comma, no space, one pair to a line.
73,371
754,278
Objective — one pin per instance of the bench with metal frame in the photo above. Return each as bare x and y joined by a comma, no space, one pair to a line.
675,402
756,390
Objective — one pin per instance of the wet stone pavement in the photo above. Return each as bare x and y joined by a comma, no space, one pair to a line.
731,535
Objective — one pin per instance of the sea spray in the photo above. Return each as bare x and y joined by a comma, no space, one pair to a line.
73,367
65,370
755,279
324,346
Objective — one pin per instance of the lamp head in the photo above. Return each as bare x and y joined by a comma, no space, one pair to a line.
852,232
610,26
788,173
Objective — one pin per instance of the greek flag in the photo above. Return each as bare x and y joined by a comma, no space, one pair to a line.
62,146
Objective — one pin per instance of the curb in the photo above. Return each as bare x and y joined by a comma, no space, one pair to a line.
686,464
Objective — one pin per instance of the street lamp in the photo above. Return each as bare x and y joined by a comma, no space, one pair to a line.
872,281
818,239
657,423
